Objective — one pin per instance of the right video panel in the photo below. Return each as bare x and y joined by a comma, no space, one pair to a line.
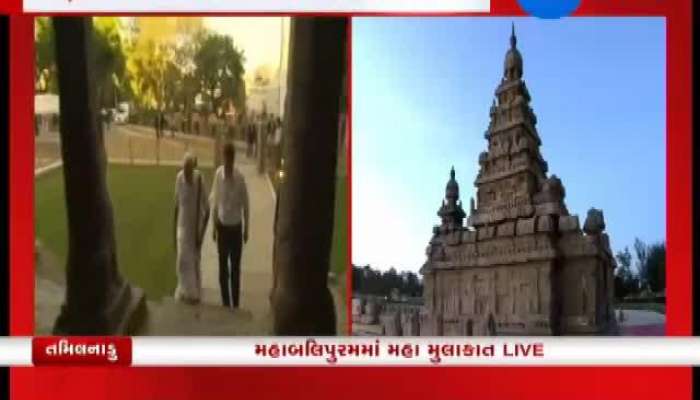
509,176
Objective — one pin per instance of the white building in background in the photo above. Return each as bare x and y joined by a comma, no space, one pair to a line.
266,91
266,99
46,113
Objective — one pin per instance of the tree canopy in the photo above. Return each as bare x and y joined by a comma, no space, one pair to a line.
649,272
219,67
651,262
366,280
158,64
45,66
109,59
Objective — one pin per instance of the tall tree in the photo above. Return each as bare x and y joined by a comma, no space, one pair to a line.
219,68
656,267
45,62
109,59
651,262
149,63
640,251
172,85
188,86
366,280
625,280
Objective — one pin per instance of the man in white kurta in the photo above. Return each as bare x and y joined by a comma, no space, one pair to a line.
191,215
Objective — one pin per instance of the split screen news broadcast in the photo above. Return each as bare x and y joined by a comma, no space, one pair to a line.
350,199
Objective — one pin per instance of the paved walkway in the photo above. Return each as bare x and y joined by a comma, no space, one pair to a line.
642,323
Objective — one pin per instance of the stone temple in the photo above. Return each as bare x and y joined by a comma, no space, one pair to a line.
522,265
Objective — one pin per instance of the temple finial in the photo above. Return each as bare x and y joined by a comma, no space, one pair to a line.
513,39
452,172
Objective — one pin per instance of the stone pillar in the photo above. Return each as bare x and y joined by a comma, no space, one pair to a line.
301,301
372,311
430,324
98,300
391,323
356,309
410,325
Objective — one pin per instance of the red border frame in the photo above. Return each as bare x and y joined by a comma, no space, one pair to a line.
488,383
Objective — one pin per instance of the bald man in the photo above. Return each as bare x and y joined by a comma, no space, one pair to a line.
191,216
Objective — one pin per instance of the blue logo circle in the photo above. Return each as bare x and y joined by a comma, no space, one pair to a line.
549,9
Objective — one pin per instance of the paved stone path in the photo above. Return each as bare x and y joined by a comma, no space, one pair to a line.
642,323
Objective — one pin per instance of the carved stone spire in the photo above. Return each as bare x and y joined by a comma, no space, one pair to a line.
512,170
513,66
451,210
452,188
519,221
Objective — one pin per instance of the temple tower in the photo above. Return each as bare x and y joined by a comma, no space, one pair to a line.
512,170
522,264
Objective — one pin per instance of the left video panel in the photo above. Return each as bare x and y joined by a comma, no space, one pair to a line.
188,178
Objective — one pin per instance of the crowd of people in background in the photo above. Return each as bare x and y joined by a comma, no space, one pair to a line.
261,132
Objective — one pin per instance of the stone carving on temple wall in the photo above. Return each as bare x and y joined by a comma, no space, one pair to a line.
391,322
451,297
372,310
410,323
552,191
428,288
357,309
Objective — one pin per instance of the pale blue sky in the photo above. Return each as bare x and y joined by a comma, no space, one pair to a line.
422,88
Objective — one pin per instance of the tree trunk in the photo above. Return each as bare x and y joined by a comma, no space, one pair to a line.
301,301
98,300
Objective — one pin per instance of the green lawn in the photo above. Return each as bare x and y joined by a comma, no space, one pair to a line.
142,198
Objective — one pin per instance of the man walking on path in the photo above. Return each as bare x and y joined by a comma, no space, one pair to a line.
229,201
